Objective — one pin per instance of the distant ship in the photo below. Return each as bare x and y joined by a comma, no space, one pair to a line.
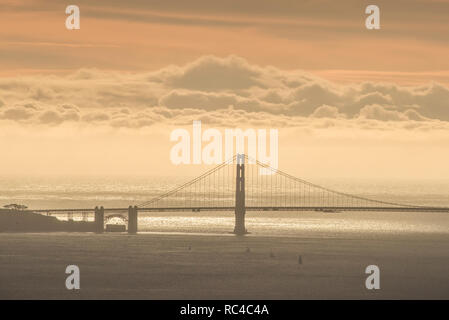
115,228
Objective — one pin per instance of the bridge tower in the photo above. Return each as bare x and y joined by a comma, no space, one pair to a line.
132,219
240,209
99,219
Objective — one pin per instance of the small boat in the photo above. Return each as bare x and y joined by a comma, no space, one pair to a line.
115,228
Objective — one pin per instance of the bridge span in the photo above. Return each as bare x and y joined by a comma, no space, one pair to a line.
243,184
204,209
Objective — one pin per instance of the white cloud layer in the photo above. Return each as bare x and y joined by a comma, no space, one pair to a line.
219,91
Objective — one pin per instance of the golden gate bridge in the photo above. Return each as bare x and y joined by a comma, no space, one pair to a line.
243,184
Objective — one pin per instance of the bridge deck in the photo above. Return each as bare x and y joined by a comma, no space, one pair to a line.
262,208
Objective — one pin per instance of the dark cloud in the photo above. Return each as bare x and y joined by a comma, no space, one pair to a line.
211,73
221,91
16,113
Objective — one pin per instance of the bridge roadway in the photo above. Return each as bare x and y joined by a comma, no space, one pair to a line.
256,208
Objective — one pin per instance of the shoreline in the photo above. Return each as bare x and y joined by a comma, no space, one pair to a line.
28,221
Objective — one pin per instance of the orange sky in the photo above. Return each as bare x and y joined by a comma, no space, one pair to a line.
331,40
348,101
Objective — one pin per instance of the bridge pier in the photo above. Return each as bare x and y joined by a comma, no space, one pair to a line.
132,219
99,219
240,228
240,210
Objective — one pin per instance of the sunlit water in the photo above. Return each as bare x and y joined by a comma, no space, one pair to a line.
87,192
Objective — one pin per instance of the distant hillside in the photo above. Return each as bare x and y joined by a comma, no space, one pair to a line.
19,221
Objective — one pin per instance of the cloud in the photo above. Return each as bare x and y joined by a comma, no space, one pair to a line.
414,115
17,113
222,91
378,112
59,115
326,112
96,116
210,73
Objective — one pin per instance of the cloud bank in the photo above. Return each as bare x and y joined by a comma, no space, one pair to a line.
219,91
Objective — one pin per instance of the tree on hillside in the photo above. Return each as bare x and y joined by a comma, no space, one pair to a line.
15,207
